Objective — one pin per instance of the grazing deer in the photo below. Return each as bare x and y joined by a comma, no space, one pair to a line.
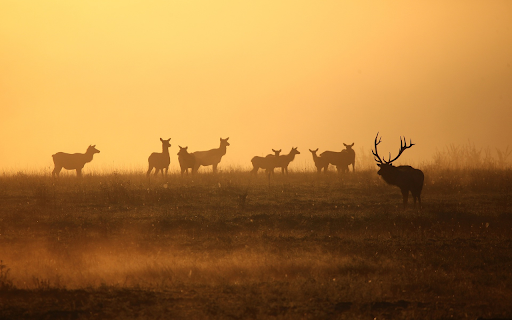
186,160
75,161
284,161
269,162
211,157
160,161
320,163
406,178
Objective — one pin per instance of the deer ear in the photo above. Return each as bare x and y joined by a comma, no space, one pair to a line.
345,145
352,144
161,139
378,164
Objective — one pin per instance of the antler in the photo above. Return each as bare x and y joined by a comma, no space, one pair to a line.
376,153
403,147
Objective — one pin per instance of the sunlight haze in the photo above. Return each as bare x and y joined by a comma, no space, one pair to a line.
267,74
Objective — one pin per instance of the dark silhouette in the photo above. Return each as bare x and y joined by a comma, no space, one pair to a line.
348,157
75,161
211,157
284,161
340,159
269,162
320,162
186,160
406,178
160,161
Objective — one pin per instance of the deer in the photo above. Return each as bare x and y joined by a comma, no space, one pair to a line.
75,161
320,163
406,178
284,160
186,160
211,157
269,162
340,159
160,160
348,157
332,157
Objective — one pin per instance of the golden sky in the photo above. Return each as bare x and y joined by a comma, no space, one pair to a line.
267,74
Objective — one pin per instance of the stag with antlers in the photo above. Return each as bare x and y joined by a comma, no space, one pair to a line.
406,178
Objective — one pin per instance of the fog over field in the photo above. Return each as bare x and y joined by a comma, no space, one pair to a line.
120,75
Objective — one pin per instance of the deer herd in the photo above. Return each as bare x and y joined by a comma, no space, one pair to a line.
407,178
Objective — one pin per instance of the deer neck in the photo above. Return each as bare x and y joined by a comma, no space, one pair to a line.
88,156
222,149
165,150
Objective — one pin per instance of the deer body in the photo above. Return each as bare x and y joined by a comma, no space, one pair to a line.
332,157
75,161
160,161
268,162
340,159
407,178
186,160
284,161
320,162
211,157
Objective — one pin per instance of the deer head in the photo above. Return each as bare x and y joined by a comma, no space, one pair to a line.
387,165
276,152
92,149
166,143
313,151
348,146
224,142
182,150
294,151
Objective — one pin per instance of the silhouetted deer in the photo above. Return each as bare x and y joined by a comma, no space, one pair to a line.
332,157
75,161
320,162
284,161
186,160
160,161
340,159
269,162
406,178
211,157
348,157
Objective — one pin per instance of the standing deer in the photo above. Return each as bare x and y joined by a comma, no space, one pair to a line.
75,161
284,161
332,157
211,157
348,157
340,159
269,162
320,162
186,160
406,178
160,161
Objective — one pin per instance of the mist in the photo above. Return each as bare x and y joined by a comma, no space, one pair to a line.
267,75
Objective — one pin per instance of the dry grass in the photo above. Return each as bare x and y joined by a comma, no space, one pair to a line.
236,246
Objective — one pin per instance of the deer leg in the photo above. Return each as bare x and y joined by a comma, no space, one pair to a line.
79,172
405,195
56,171
149,171
215,167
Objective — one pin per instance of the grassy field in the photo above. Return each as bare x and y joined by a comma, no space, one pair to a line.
231,245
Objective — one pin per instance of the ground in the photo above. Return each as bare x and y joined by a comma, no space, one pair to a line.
232,245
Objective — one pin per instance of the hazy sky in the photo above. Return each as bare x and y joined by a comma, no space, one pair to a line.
267,74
